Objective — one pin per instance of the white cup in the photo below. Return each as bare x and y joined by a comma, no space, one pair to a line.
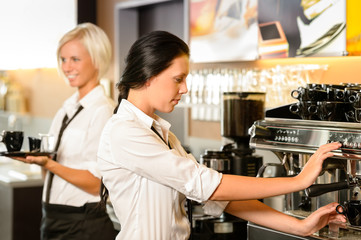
47,143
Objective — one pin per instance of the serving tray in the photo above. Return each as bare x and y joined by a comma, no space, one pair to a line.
25,154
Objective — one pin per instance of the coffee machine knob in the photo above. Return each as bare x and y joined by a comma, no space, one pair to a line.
259,131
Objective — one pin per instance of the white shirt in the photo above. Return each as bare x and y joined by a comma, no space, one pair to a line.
79,143
147,181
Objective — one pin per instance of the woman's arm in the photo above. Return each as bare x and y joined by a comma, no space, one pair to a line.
261,214
234,187
83,179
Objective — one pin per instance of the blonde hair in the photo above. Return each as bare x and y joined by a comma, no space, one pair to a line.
95,42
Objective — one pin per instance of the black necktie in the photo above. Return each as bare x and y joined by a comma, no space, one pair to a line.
64,124
189,202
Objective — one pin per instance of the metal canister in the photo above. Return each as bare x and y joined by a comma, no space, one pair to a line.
217,160
239,110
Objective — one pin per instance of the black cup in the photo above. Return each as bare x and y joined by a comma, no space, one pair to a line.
305,109
350,116
301,94
13,140
315,86
307,94
352,210
352,94
357,115
335,94
34,144
333,110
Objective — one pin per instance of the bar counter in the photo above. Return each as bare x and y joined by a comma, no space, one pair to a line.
20,200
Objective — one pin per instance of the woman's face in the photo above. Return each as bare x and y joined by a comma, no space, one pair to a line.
78,67
167,88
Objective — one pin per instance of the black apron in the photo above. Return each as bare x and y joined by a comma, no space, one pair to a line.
62,222
88,222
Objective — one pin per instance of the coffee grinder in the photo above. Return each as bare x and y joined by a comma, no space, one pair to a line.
239,111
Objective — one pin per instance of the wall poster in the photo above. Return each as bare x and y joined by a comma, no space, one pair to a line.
231,30
223,30
300,28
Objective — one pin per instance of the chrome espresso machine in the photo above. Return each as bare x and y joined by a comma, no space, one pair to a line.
293,139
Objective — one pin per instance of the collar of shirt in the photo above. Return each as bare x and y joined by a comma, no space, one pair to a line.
72,103
161,125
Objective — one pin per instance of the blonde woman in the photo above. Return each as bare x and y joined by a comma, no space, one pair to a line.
72,182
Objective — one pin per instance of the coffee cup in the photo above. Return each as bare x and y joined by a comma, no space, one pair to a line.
47,143
305,109
13,140
350,116
333,110
301,94
315,86
352,210
307,94
34,144
351,94
335,94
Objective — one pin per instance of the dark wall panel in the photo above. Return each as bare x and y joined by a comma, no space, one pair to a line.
87,11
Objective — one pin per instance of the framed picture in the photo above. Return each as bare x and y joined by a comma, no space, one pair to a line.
223,30
236,30
311,27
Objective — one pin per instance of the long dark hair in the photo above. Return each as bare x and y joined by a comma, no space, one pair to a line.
149,55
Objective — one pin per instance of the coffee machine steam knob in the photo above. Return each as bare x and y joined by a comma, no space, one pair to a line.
259,131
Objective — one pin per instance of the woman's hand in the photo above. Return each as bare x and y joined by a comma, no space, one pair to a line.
261,214
39,160
320,218
80,178
313,167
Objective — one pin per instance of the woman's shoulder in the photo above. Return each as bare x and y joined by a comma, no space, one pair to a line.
124,117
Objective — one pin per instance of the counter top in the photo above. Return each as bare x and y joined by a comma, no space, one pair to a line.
15,174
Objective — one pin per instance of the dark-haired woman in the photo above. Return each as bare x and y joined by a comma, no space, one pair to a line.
149,175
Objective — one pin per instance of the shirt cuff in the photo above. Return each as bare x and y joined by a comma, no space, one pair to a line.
215,208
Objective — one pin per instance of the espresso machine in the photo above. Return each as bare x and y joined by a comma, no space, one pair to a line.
239,110
293,141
